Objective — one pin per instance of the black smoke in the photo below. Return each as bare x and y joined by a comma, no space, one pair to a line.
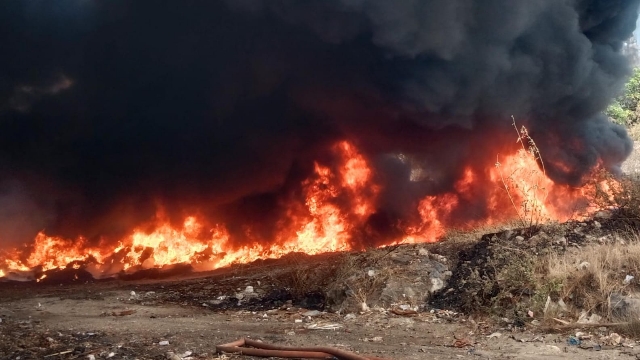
108,109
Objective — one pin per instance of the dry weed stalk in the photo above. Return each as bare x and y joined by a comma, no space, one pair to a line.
518,187
591,276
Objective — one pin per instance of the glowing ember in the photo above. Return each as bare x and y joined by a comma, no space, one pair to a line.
338,201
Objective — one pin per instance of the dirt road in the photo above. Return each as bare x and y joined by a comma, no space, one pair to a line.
107,320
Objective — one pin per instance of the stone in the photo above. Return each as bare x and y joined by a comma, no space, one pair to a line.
436,285
519,238
625,306
350,317
249,289
312,313
171,356
586,319
163,343
423,252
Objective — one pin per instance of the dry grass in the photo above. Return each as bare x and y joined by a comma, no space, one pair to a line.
340,272
524,186
588,277
634,132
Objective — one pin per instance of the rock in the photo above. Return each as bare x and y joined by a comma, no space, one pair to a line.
91,357
371,273
494,335
312,313
519,238
625,306
603,215
133,294
586,319
350,317
364,307
171,356
423,252
597,225
554,307
561,240
163,343
436,284
507,234
615,338
249,289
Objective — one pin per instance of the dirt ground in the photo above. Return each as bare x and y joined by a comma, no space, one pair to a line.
130,320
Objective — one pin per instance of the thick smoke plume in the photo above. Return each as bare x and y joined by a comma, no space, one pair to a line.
108,109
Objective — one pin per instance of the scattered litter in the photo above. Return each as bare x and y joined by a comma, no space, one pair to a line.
163,343
133,294
583,336
350,316
318,326
530,313
312,313
111,354
91,357
627,279
403,312
364,307
298,320
563,322
371,273
494,335
460,343
249,289
586,319
584,265
373,339
59,353
573,341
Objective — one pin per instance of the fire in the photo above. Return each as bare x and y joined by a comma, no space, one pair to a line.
338,201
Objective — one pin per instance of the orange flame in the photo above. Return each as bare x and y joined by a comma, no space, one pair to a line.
338,201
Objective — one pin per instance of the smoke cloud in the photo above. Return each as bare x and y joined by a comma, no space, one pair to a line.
108,109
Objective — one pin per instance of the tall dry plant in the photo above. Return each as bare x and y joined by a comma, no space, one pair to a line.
524,186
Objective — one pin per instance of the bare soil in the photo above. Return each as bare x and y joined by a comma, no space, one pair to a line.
129,319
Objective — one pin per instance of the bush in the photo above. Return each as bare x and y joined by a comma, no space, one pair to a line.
625,110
